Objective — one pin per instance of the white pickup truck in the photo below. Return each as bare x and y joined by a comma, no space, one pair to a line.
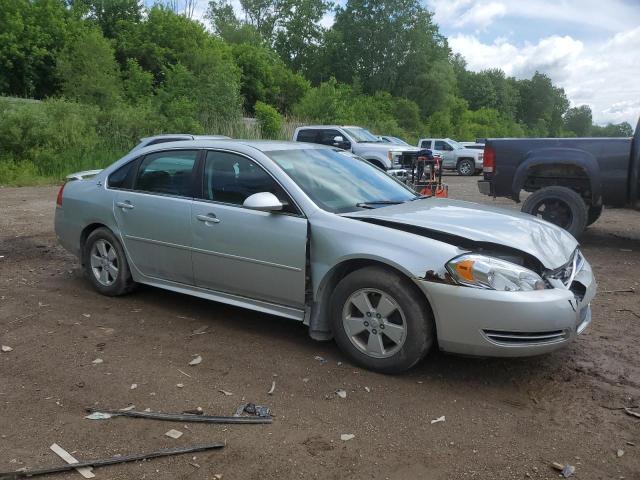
357,140
455,156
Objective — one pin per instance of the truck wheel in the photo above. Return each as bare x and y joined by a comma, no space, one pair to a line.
466,167
594,214
381,320
559,205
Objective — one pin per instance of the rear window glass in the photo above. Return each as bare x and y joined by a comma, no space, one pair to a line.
122,177
308,136
168,173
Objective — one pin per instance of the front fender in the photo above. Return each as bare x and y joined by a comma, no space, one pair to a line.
559,156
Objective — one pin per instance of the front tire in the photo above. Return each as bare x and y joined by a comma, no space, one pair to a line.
559,205
466,167
105,264
381,321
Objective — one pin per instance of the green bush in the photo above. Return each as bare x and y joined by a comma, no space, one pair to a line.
269,119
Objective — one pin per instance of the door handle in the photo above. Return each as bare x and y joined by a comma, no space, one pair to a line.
125,205
209,218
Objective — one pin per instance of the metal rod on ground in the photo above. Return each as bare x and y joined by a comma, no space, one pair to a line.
110,461
172,417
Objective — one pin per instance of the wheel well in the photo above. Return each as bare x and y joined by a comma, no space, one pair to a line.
561,175
376,162
466,158
86,232
320,322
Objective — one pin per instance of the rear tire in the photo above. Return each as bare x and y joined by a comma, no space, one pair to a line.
395,331
105,263
559,205
466,167
594,214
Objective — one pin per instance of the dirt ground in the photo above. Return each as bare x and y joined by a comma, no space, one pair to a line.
505,419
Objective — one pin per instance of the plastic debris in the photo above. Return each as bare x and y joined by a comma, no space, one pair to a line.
565,470
97,361
218,476
619,453
193,411
180,385
341,393
174,433
128,409
67,457
201,330
184,373
273,388
196,361
367,389
320,359
86,315
133,386
228,394
99,416
628,411
6,348
252,409
345,437
438,420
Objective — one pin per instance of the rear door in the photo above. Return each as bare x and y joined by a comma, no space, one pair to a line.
154,216
259,255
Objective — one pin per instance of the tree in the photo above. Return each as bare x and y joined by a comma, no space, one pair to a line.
108,14
32,34
579,120
612,130
388,44
542,105
269,120
88,71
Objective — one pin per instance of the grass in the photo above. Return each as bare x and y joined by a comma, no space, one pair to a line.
48,167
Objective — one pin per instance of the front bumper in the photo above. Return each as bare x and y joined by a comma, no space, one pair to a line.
474,321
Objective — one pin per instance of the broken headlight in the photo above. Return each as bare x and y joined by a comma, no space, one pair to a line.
480,271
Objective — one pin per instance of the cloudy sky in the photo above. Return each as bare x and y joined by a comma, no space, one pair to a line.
591,48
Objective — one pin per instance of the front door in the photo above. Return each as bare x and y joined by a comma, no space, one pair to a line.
448,156
154,217
259,255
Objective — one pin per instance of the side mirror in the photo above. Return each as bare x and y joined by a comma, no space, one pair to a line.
263,201
338,139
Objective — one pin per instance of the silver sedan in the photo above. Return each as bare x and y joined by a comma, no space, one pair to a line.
317,236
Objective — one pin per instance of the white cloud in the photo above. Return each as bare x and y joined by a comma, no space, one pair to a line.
612,15
605,77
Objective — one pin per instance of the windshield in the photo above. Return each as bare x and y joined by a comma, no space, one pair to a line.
362,135
397,141
339,182
455,145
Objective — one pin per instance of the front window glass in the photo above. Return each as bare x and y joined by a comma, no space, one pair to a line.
339,182
455,145
361,135
231,178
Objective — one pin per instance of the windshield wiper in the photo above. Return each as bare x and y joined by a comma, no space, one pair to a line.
377,202
419,197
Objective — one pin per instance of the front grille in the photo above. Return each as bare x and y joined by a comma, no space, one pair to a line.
505,337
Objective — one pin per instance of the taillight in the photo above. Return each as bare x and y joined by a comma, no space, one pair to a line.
489,160
59,198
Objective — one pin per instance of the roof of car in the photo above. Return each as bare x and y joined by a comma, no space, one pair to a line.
328,126
262,145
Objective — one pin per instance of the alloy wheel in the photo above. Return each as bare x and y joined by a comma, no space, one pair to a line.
374,323
104,262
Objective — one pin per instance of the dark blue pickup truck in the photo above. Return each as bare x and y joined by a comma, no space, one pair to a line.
570,179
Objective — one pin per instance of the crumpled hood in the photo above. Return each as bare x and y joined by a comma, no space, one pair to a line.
551,245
